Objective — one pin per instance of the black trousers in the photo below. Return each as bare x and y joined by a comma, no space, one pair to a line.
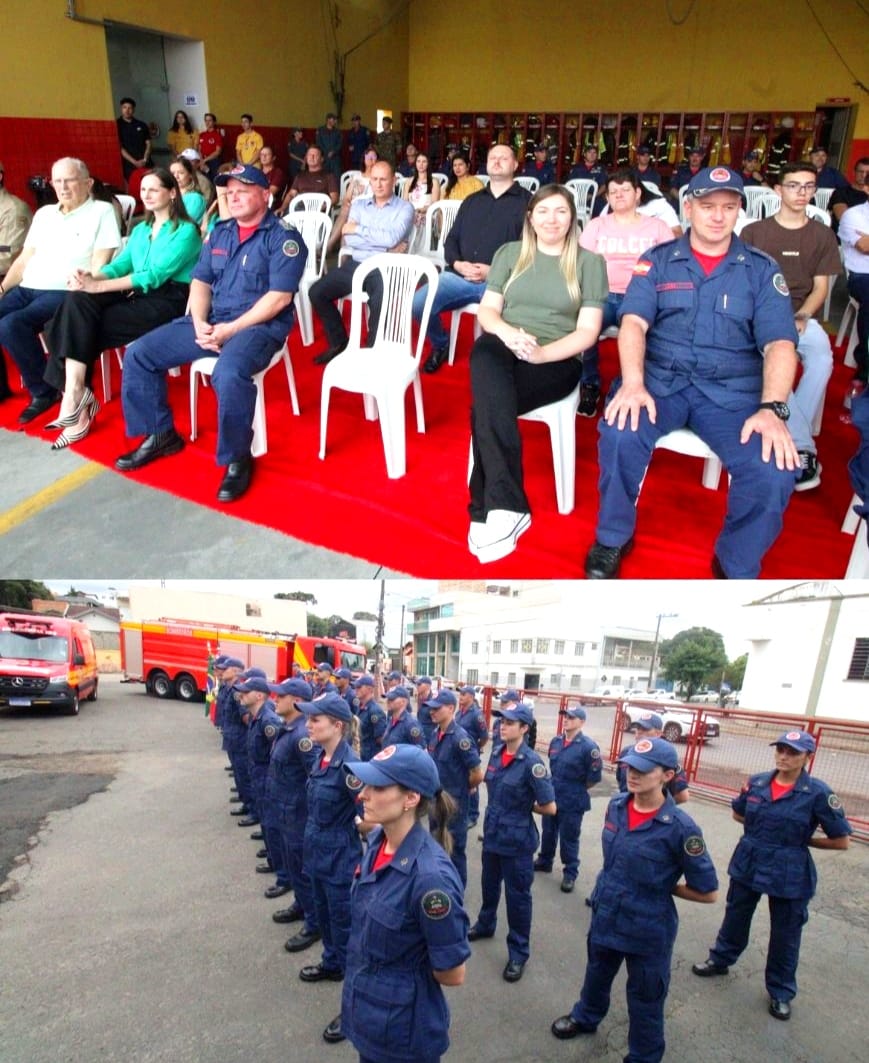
502,388
335,285
87,323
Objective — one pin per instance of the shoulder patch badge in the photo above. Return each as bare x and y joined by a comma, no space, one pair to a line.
306,745
353,783
595,754
270,730
641,268
465,744
780,284
539,771
834,802
436,904
415,732
290,248
694,845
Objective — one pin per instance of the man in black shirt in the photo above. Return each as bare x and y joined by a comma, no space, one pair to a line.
135,138
485,221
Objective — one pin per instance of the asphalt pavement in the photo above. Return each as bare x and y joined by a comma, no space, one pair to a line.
135,928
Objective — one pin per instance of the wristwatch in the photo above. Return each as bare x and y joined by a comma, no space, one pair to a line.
780,409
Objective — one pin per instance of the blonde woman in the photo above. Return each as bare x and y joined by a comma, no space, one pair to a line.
542,308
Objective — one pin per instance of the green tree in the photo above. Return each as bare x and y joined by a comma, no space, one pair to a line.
362,615
297,596
19,593
318,626
734,673
693,657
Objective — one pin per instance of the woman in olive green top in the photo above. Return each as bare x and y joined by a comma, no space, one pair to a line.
542,308
145,286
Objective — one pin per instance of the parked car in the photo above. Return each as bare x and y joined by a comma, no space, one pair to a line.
707,697
677,724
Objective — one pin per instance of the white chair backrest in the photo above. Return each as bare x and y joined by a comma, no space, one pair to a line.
531,183
128,206
683,192
442,179
400,275
584,191
822,198
483,178
311,201
439,219
754,202
650,186
770,203
346,178
400,182
315,228
818,214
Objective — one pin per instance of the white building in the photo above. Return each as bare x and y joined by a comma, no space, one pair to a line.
809,651
250,614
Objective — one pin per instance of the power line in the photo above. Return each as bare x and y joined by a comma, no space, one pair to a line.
857,81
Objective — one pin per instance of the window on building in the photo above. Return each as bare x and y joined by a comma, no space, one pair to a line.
575,682
454,640
579,650
593,647
527,645
514,645
511,679
543,645
496,646
473,677
559,646
475,648
859,668
555,679
252,609
493,679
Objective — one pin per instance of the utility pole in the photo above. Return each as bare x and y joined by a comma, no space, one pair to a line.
661,616
380,634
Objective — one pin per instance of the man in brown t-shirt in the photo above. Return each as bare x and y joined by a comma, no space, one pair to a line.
314,179
807,252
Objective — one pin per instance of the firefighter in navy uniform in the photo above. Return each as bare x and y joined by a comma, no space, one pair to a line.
470,717
234,734
781,811
401,724
575,763
344,685
652,726
648,846
371,716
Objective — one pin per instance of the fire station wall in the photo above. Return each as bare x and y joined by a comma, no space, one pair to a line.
735,55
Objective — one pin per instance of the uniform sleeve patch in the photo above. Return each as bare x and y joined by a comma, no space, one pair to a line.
539,771
270,730
375,716
780,284
415,732
695,846
834,802
353,783
306,745
465,744
595,754
436,904
290,248
641,268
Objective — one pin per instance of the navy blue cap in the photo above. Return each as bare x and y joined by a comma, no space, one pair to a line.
254,683
523,713
644,149
714,179
402,765
802,741
327,705
445,697
233,662
250,673
299,688
397,692
576,711
219,661
467,690
324,666
364,681
649,721
510,695
394,675
343,673
248,175
649,753
423,679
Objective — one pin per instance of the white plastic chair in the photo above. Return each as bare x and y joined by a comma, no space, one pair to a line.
442,179
818,214
560,418
770,203
305,201
128,209
683,193
684,441
853,524
315,228
531,183
383,372
344,183
439,219
849,318
754,201
400,182
584,190
822,198
483,178
204,367
455,324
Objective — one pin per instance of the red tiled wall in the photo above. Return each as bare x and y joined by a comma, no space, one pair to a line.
859,150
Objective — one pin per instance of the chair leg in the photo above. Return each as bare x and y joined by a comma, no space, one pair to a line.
562,435
291,378
849,311
711,473
455,322
194,393
260,442
304,315
849,524
850,360
369,405
325,395
417,398
392,430
106,371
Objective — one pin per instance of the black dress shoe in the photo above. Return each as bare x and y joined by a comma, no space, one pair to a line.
159,445
316,972
236,480
475,934
264,869
288,915
228,767
436,359
257,836
541,865
779,1009
248,821
243,811
717,568
513,971
303,940
233,789
708,969
567,884
261,854
332,1033
276,891
37,406
603,562
566,1027
235,800
327,356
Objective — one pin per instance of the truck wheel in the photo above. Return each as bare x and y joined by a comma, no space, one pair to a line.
161,685
186,688
72,706
93,694
672,732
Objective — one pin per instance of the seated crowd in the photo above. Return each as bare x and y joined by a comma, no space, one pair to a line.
712,327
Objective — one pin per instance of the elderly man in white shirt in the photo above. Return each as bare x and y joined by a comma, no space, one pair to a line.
76,233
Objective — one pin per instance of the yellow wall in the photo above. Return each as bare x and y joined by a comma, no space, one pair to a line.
268,57
570,55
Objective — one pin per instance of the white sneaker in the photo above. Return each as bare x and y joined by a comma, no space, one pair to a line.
476,534
502,531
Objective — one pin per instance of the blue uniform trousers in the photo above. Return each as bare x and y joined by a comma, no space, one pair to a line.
24,313
241,772
258,774
299,879
332,906
275,846
474,807
786,917
759,491
648,982
453,291
563,827
517,874
147,361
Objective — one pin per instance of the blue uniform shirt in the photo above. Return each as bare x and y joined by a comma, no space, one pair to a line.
575,766
581,172
772,856
455,755
474,722
332,847
372,726
545,175
407,921
272,259
261,733
709,331
293,757
403,728
509,828
632,902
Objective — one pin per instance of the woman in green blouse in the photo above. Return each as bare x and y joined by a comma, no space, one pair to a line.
542,307
145,286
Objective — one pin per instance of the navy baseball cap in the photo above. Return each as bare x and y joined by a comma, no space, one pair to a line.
394,675
467,690
576,711
510,695
649,753
423,679
404,765
233,662
714,179
248,175
254,683
751,155
649,721
324,666
219,662
397,692
343,673
445,697
250,673
364,681
801,741
696,151
295,686
522,713
327,705
644,149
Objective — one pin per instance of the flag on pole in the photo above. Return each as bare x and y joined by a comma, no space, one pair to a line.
210,687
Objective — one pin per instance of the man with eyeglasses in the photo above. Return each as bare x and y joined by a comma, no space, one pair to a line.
808,254
75,233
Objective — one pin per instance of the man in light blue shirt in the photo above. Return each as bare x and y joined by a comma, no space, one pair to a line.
376,223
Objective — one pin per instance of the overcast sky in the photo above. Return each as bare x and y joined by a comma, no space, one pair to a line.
633,603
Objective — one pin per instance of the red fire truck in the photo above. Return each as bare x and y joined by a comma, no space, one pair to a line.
171,656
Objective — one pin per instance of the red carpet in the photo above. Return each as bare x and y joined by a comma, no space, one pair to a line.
419,524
